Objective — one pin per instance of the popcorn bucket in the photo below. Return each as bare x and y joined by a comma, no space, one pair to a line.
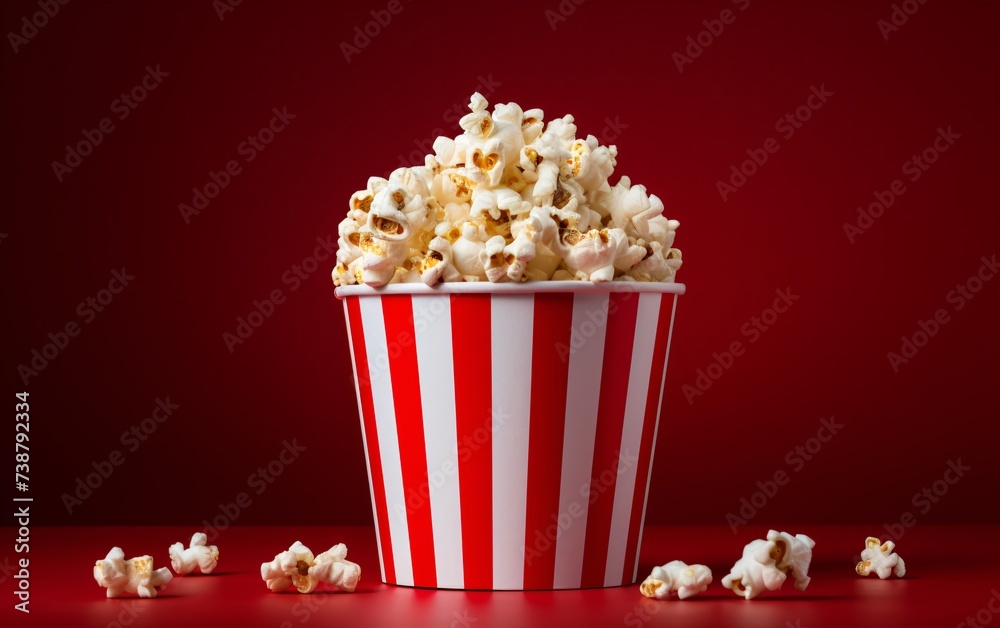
509,428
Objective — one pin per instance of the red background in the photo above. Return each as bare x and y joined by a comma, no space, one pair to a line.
681,132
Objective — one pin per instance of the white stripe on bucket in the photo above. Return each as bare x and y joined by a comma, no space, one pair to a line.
435,363
364,439
635,411
512,319
582,398
656,430
388,441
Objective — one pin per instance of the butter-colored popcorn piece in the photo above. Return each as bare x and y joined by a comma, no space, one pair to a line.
332,567
520,253
466,252
384,239
495,262
198,555
437,264
415,179
299,567
543,265
591,164
881,559
490,159
484,201
765,564
444,152
479,123
348,240
456,185
135,575
627,254
676,576
631,208
532,124
657,264
589,254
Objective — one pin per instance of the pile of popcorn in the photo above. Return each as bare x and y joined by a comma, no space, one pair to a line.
506,201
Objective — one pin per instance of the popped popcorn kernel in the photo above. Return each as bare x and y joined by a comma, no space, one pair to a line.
487,183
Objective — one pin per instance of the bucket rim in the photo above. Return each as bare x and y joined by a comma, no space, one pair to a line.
528,287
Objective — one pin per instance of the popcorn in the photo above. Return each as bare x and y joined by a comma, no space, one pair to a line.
198,555
297,566
686,580
509,199
880,558
135,575
766,563
467,252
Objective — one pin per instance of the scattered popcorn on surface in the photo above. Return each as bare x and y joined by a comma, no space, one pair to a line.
880,558
298,566
686,580
135,575
766,563
200,555
506,201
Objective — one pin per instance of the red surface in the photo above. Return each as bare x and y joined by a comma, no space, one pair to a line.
943,585
610,65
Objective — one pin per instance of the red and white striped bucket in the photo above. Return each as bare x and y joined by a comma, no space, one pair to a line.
509,428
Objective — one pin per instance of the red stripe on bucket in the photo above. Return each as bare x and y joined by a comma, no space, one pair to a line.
371,436
402,348
549,374
470,315
648,428
623,308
